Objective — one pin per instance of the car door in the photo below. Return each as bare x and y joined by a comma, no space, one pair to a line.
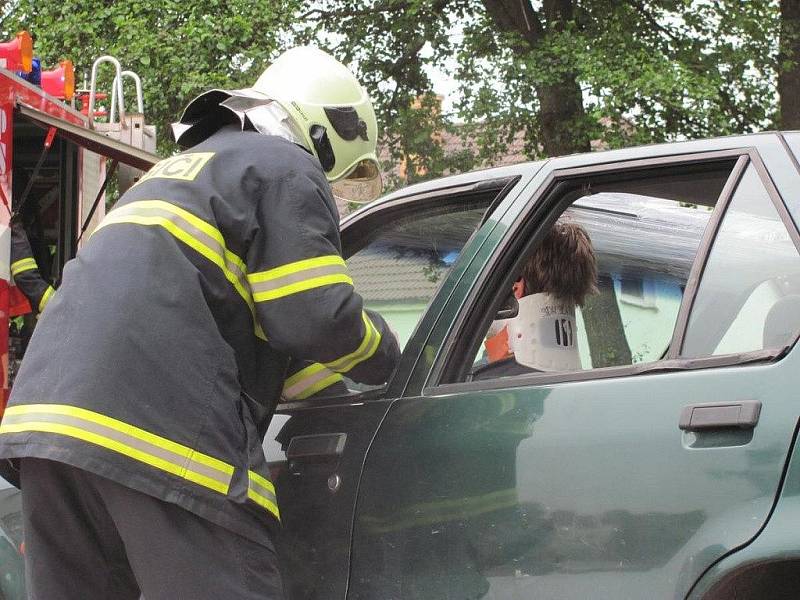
401,253
661,454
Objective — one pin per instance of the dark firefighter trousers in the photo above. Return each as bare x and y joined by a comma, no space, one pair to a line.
122,544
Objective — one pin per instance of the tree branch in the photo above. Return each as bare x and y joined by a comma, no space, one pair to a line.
389,7
642,10
516,16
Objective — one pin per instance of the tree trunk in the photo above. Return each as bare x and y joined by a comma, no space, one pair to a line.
608,345
562,128
789,65
562,118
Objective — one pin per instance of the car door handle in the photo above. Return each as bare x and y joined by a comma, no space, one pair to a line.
719,415
316,447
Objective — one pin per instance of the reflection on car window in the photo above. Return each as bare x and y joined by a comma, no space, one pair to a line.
644,246
399,271
749,294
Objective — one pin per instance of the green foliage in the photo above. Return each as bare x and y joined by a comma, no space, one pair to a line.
637,71
179,49
393,45
649,71
644,70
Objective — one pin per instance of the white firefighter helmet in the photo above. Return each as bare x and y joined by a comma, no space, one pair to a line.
306,96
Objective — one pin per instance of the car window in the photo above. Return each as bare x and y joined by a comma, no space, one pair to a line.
749,295
640,284
602,286
400,268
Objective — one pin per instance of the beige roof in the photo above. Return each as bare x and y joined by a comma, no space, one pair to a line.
380,274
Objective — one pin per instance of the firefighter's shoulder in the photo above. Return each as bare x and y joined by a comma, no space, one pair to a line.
273,156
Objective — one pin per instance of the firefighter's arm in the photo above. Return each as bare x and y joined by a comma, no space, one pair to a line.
25,271
309,380
302,291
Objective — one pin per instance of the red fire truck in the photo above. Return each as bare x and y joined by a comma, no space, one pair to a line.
55,162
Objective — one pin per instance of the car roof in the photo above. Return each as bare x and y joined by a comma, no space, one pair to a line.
463,179
577,160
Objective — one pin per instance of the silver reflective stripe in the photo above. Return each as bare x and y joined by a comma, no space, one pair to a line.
306,274
193,231
129,441
298,388
150,211
262,491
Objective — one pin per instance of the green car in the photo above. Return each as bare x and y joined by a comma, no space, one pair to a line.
658,466
659,462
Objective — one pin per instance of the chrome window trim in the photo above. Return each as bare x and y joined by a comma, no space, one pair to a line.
651,368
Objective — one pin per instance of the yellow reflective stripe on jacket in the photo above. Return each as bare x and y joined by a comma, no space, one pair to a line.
22,265
298,276
46,297
120,437
193,231
308,381
261,491
368,346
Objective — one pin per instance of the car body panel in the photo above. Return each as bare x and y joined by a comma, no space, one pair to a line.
545,491
316,512
573,489
776,544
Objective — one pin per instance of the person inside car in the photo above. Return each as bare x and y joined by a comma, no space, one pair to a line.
557,277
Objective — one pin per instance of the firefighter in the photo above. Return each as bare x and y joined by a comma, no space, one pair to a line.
25,270
140,406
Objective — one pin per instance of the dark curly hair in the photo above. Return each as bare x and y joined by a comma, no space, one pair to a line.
564,265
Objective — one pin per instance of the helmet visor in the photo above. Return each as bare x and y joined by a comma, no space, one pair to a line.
363,184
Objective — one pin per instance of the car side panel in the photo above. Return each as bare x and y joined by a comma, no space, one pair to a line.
316,494
776,544
573,490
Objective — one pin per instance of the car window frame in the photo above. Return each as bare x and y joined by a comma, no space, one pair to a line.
405,206
538,214
707,245
402,207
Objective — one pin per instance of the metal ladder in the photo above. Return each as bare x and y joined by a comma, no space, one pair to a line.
127,127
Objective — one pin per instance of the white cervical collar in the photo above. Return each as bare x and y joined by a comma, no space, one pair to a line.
543,335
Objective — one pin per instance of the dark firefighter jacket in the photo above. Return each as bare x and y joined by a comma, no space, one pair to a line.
161,357
25,271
